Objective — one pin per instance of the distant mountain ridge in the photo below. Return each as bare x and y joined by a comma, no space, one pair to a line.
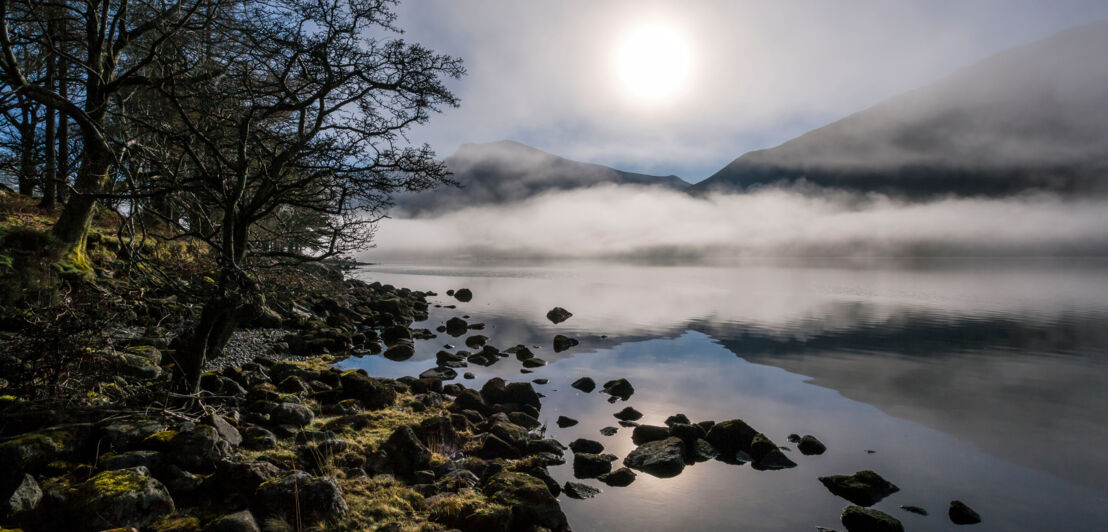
507,171
1032,117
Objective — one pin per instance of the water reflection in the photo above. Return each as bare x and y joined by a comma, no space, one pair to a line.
973,382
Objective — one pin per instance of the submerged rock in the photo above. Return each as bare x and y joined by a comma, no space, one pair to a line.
620,388
961,514
628,414
562,342
858,519
662,458
464,295
809,445
620,477
864,488
913,509
558,315
577,490
584,384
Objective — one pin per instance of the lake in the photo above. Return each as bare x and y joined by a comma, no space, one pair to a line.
983,381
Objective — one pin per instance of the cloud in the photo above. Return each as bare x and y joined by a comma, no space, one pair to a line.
648,223
542,72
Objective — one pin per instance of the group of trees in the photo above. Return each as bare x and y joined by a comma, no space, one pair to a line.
271,130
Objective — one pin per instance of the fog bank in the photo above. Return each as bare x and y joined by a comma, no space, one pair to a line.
636,222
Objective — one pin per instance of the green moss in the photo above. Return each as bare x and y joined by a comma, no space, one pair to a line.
379,501
114,483
160,439
176,523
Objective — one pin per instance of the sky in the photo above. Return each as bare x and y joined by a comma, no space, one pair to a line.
685,87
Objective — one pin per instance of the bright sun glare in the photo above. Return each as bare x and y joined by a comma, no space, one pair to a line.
652,62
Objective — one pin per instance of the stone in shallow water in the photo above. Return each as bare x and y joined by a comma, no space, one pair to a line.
913,509
577,490
562,342
582,445
584,384
620,477
464,295
961,514
628,414
809,445
858,519
620,388
564,422
588,465
558,315
609,431
864,488
662,458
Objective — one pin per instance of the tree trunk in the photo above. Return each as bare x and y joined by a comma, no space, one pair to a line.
49,178
63,132
76,217
27,151
206,341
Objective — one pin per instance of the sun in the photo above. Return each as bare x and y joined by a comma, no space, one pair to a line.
652,62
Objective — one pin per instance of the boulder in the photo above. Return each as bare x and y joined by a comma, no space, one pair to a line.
532,504
120,499
584,384
372,393
226,430
558,315
439,373
577,490
582,445
620,388
589,465
464,295
407,452
858,519
609,431
730,437
534,362
961,514
22,500
677,419
316,498
562,342
620,477
476,341
197,450
648,433
687,433
630,414
564,422
864,488
456,326
809,445
239,479
237,522
291,414
402,350
662,458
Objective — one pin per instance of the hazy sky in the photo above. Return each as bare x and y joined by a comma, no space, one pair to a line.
554,74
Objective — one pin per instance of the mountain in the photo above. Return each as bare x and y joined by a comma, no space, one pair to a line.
1033,117
506,171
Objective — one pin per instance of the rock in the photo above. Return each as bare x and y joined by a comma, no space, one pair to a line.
291,414
540,381
531,502
316,498
562,342
226,431
456,326
760,446
730,437
913,509
237,522
620,477
259,439
584,384
688,433
476,341
609,431
961,514
392,335
470,399
373,394
701,450
793,438
577,490
233,480
521,393
403,350
620,388
407,452
534,362
198,449
662,458
22,500
32,451
858,519
521,353
629,414
809,445
558,315
864,488
493,446
468,375
564,422
773,460
590,465
120,499
582,445
648,433
129,459
677,418
464,295
440,373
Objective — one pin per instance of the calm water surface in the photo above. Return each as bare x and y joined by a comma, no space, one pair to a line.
985,382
